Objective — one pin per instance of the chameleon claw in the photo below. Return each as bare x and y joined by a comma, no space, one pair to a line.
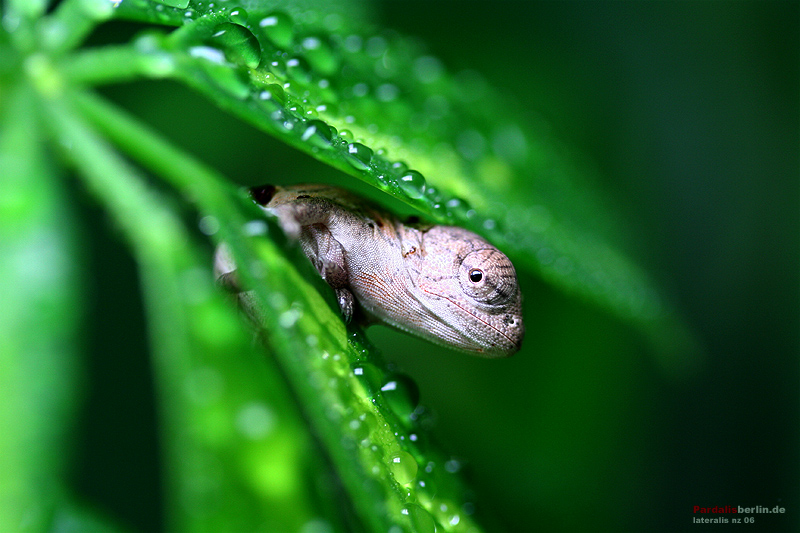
346,304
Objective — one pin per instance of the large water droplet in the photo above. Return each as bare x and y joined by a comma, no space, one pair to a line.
370,376
298,70
359,156
403,466
228,79
413,184
320,55
318,134
420,519
402,394
457,208
238,16
278,28
239,43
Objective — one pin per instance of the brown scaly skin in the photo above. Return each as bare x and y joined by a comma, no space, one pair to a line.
442,283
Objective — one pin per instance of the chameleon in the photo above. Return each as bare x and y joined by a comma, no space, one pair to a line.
442,283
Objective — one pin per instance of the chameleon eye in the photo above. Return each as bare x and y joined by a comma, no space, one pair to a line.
475,275
487,276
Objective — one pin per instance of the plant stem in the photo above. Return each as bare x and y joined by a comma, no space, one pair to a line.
71,23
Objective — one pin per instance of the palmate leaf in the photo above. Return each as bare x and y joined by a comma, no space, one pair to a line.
377,107
252,441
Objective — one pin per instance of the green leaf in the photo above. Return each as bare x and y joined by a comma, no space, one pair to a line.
367,432
40,287
379,108
307,428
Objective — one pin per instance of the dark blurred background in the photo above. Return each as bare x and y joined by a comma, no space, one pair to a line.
690,111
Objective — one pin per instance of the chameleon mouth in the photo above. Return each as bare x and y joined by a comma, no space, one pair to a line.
511,342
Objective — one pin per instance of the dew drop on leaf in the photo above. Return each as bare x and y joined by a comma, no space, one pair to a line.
359,156
239,44
403,467
320,55
402,394
421,520
370,376
318,134
238,16
297,69
413,184
278,28
457,208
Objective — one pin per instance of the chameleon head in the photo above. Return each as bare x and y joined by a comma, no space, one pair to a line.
471,293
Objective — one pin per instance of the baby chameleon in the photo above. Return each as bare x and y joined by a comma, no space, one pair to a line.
442,283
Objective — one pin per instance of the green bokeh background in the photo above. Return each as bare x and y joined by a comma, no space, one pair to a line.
690,111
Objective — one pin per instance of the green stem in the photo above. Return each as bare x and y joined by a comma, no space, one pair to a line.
203,186
115,64
192,178
71,23
163,251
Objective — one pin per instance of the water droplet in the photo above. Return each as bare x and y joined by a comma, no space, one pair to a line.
99,9
228,79
288,318
274,92
209,225
320,55
238,16
452,466
426,487
370,376
403,466
413,184
214,55
157,64
318,134
360,430
239,43
456,207
297,69
359,156
278,28
255,420
420,519
254,228
402,394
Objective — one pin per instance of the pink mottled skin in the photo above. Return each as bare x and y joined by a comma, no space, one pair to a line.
442,283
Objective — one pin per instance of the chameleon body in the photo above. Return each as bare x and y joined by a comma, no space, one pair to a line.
442,283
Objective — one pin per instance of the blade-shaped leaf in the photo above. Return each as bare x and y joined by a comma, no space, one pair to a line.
40,291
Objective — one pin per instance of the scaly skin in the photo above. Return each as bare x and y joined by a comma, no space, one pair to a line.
442,283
